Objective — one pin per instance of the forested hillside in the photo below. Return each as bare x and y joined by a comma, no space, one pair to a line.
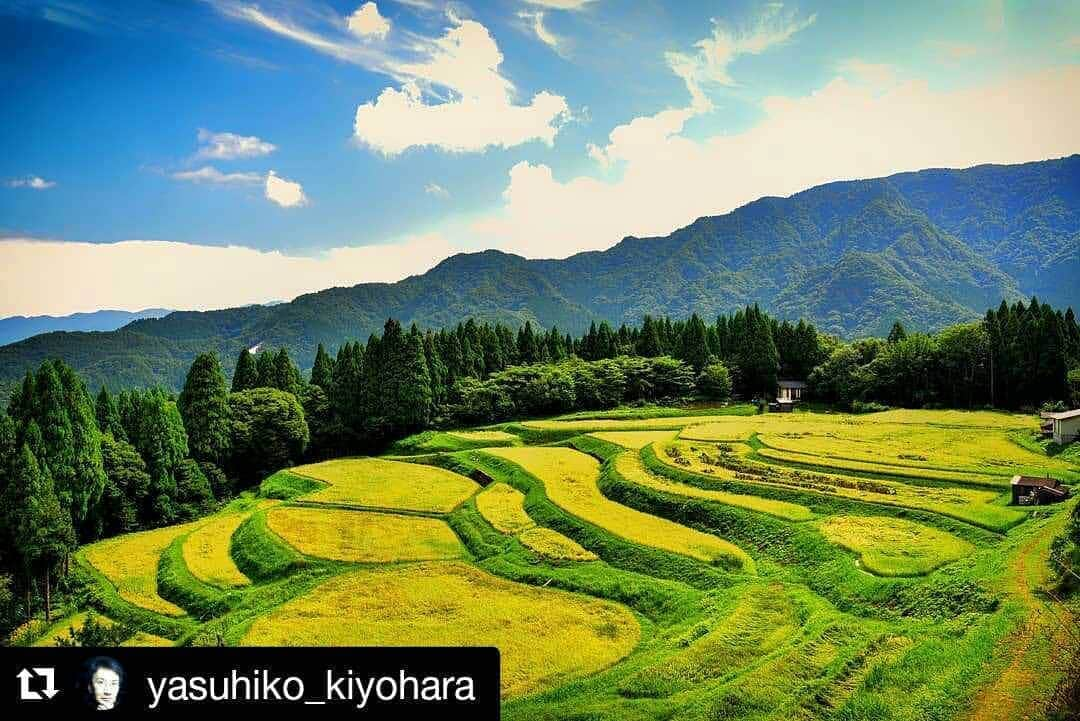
929,249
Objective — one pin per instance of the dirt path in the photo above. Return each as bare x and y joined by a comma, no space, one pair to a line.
1022,689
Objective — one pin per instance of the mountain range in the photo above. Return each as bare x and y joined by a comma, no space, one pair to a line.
928,248
17,327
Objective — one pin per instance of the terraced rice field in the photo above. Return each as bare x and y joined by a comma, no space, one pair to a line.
545,637
504,508
570,478
696,568
362,536
130,563
893,546
379,483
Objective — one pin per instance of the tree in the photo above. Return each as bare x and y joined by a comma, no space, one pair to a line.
268,432
842,379
897,333
246,375
108,415
715,382
694,346
162,442
204,406
322,373
193,493
757,358
286,376
126,489
267,370
39,530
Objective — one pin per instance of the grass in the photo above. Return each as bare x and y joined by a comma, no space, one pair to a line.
144,639
893,546
554,545
635,440
545,637
448,441
504,508
362,536
570,477
206,552
130,563
61,628
380,483
630,467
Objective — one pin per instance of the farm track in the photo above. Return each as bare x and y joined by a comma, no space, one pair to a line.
1019,690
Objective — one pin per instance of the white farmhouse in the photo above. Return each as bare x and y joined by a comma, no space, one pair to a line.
1066,425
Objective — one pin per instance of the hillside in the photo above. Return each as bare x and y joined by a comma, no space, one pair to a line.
929,248
18,327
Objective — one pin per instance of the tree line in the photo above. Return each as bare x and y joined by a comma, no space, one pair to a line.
75,467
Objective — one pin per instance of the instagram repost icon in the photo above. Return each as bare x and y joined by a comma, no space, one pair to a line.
28,684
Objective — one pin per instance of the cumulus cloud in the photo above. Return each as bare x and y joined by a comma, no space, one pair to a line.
437,190
229,146
842,131
480,112
30,181
449,93
284,192
209,175
58,278
368,23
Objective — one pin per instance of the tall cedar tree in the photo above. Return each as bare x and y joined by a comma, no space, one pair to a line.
108,415
204,406
322,373
40,531
246,375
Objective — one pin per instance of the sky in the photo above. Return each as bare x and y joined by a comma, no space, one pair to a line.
215,153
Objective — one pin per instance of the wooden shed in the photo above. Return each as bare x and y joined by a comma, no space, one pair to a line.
1030,491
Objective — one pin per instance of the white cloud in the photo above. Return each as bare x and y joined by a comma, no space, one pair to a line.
841,131
284,192
560,4
210,175
875,75
437,190
535,23
30,181
139,274
716,53
368,23
450,93
480,112
229,146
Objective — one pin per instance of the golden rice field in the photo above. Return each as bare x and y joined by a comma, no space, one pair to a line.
545,637
969,504
59,629
130,563
363,536
630,467
206,551
380,483
893,546
484,436
914,473
570,478
503,507
617,424
635,440
554,545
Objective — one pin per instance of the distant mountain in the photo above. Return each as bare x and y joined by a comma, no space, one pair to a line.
927,248
17,327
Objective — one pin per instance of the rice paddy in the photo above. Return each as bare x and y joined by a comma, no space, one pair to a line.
570,478
893,546
379,483
130,563
545,637
503,507
363,536
689,567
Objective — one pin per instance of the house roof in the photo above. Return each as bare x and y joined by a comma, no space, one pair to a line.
1074,413
1050,483
794,384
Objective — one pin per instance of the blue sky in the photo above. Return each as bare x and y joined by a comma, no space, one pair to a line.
271,148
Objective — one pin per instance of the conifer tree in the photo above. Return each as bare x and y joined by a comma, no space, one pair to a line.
108,415
267,369
322,373
204,406
246,375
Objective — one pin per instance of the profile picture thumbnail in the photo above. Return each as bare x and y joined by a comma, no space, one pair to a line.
102,683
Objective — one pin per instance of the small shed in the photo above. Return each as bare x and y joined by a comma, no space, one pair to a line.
1066,425
789,392
1030,491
